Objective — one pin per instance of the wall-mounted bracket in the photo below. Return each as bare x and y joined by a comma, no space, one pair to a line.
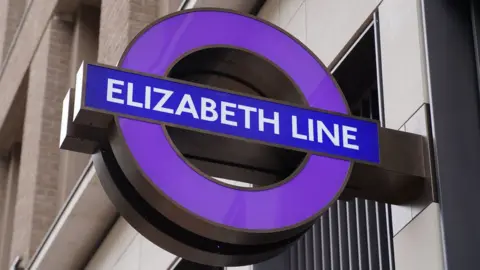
403,176
74,137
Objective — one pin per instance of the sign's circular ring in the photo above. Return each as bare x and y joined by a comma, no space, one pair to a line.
315,188
299,100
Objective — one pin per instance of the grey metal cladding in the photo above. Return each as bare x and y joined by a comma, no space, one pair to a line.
452,34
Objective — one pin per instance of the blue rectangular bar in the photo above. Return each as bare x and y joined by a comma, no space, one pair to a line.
225,113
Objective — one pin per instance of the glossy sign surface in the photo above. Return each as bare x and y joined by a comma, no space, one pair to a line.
307,194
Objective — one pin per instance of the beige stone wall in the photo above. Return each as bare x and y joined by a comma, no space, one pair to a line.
11,12
17,61
22,25
8,206
120,22
37,204
84,48
4,188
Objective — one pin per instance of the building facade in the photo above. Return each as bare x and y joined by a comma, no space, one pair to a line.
413,65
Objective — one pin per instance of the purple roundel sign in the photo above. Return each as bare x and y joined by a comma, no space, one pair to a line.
304,196
168,200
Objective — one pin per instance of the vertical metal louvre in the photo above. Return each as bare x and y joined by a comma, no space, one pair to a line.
355,234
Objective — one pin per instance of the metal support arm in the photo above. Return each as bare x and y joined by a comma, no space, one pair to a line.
403,175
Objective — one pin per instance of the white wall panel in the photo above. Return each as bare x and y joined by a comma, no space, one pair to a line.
152,257
331,24
419,245
401,216
270,11
326,26
404,80
403,60
125,248
130,258
113,247
296,26
288,9
418,124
